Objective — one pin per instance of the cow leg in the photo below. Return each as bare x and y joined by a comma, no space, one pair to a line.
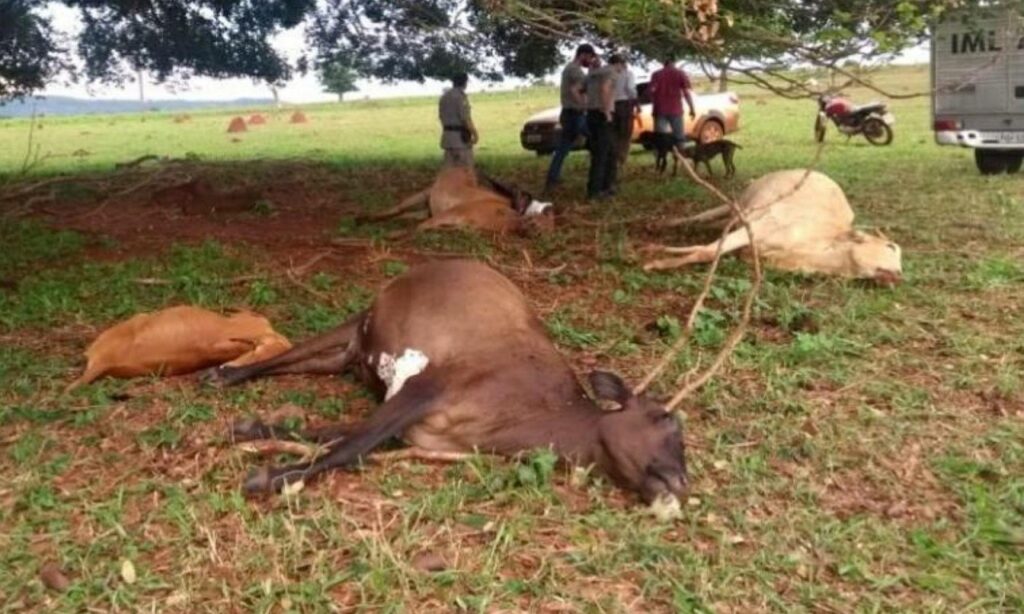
416,399
332,350
710,215
419,199
733,241
254,429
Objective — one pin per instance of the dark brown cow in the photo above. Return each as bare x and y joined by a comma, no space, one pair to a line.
463,364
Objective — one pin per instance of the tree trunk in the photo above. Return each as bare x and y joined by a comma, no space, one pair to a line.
723,77
341,97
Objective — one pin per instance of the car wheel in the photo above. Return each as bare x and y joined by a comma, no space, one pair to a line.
990,162
1014,161
710,131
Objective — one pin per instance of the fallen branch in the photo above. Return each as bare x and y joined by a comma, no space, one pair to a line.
738,333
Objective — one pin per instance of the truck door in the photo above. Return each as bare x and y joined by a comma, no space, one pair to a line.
971,70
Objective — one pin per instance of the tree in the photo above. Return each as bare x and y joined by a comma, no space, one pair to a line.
30,54
762,41
338,78
489,39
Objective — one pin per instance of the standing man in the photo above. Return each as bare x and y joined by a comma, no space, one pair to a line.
574,104
626,107
458,132
601,135
669,85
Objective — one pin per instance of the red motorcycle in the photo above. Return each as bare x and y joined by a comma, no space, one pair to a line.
873,120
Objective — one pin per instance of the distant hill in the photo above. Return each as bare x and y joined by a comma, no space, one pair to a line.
66,105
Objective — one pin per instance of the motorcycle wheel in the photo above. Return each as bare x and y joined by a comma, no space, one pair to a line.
877,132
819,130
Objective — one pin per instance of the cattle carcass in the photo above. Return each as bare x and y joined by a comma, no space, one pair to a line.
179,340
801,221
460,197
462,364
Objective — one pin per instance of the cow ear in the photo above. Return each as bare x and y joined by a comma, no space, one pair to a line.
610,387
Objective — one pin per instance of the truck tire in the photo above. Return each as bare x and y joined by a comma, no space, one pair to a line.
990,162
1014,161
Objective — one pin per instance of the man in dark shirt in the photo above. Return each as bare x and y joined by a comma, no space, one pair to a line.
669,85
574,104
600,131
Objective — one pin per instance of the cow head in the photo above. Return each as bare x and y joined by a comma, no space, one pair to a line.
641,442
876,257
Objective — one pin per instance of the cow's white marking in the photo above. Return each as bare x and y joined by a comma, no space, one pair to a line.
536,208
666,508
395,372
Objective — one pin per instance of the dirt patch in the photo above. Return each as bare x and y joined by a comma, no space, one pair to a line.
237,125
279,207
182,118
257,120
298,117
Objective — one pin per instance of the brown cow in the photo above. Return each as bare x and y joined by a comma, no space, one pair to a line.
459,198
801,221
179,340
463,364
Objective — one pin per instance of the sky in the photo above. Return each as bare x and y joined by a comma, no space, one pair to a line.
301,89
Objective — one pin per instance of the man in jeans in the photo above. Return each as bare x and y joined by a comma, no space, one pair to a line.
600,131
669,86
626,107
574,104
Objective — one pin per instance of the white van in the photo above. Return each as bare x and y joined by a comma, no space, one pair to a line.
978,86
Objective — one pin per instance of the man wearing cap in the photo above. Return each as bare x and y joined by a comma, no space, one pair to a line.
458,131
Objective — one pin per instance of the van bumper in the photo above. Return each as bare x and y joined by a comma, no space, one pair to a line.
978,139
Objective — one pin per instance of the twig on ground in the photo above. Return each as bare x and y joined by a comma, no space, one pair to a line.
158,281
437,456
136,161
268,447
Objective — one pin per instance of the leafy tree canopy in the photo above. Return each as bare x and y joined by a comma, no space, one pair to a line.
419,39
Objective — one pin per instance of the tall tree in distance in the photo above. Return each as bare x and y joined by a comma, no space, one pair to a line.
338,77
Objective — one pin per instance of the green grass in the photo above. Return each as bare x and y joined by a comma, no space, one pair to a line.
864,450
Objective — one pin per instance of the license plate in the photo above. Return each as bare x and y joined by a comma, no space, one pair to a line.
1011,138
534,138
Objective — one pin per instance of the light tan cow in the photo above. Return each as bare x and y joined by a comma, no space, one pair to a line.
180,340
801,221
458,198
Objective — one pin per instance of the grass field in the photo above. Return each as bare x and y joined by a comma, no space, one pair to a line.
863,451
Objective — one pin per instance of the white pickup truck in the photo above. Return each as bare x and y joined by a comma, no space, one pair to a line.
978,86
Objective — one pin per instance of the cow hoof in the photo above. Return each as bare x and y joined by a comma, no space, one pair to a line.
212,377
250,429
258,482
